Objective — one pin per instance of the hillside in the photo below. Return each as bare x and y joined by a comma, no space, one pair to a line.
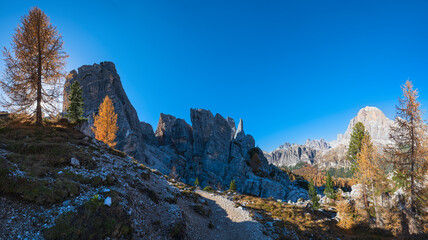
57,183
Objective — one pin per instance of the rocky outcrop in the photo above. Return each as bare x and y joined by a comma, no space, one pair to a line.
164,129
148,134
292,154
98,81
318,145
202,123
211,149
374,121
216,153
208,151
182,138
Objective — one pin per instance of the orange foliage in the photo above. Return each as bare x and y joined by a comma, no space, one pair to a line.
345,212
105,123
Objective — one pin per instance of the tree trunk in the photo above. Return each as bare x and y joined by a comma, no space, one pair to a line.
366,201
379,221
39,75
411,215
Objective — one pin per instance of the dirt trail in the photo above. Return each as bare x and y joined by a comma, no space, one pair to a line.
229,221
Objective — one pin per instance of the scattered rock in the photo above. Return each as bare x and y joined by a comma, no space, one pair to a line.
75,162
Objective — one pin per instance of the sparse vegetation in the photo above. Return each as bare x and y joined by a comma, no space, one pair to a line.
313,195
178,231
208,189
232,186
93,220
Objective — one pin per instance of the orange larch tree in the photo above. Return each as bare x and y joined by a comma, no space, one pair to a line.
35,67
368,173
105,123
409,154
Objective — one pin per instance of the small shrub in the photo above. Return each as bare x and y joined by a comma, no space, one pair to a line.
210,225
208,189
199,209
232,186
345,214
171,200
178,232
151,194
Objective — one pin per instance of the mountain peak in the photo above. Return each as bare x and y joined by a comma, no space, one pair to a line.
374,121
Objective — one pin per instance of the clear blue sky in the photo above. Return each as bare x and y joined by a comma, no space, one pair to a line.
291,69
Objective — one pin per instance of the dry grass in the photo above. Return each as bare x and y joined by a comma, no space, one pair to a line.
306,223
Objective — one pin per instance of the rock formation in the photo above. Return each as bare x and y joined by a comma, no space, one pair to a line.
98,81
375,122
211,149
163,132
148,134
292,155
319,145
288,154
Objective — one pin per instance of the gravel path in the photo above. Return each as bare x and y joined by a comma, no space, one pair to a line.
232,222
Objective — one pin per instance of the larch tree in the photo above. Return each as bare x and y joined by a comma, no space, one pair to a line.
34,71
368,174
408,153
105,123
75,107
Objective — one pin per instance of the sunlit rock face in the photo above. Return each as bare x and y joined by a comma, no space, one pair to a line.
374,121
98,81
333,154
291,154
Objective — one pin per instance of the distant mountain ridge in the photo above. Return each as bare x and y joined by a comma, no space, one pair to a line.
333,154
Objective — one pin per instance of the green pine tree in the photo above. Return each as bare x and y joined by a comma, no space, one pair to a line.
329,191
196,182
313,195
75,107
357,135
232,186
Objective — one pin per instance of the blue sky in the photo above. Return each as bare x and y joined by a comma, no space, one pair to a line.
291,69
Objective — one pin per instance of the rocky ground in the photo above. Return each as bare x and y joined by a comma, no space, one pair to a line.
57,183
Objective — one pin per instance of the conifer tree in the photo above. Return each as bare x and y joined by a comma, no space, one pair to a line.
196,182
313,195
409,153
329,191
105,123
75,107
358,132
232,186
368,174
34,69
